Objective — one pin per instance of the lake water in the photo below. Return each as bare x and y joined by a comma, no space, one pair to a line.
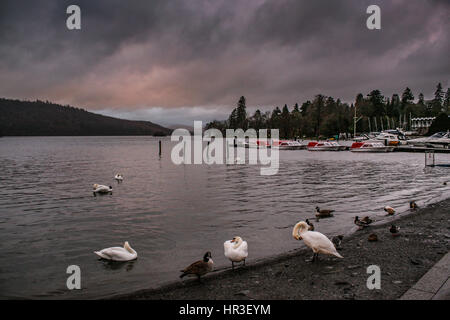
171,215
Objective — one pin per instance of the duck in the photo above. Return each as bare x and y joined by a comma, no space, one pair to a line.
372,237
360,223
118,177
413,205
337,240
310,224
394,230
367,220
199,268
236,250
318,242
389,210
125,253
324,213
99,188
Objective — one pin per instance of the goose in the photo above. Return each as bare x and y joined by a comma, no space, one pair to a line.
360,223
118,177
337,240
310,224
372,237
236,250
394,230
118,253
318,242
389,210
324,213
99,188
199,268
413,205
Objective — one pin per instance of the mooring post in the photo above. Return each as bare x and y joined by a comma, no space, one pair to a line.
160,148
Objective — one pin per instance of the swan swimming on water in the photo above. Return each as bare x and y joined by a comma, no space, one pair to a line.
317,241
99,188
118,177
125,253
236,250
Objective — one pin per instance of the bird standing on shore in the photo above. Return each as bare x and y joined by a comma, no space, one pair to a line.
389,210
324,213
317,241
236,250
394,230
199,268
337,240
413,205
310,224
118,253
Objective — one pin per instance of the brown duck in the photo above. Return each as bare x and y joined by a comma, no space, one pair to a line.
324,213
389,210
394,230
199,268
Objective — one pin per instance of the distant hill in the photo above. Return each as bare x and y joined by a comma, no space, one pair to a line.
39,118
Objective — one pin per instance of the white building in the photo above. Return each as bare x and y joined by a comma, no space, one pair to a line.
421,123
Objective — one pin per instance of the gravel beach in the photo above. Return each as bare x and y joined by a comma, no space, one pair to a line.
424,239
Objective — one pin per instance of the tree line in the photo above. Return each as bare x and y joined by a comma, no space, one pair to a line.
43,118
325,116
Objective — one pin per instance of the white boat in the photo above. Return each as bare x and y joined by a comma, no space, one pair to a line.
439,139
389,139
257,144
324,146
287,145
370,146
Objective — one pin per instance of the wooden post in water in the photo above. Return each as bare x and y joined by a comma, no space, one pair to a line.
159,148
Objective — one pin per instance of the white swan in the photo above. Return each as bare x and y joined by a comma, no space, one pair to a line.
317,241
99,188
118,177
118,253
236,250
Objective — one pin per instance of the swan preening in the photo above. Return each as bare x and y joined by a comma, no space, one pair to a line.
125,253
236,250
118,177
99,188
317,241
199,268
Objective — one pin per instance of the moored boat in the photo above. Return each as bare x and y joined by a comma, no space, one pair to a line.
370,146
323,146
287,145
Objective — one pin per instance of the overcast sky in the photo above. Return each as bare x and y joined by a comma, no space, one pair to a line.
172,62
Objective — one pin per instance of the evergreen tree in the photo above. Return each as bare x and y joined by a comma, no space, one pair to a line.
407,96
436,104
447,101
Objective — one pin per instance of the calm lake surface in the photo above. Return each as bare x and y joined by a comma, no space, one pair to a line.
171,215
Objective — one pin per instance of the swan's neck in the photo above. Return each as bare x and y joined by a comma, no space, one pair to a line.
238,243
128,248
298,229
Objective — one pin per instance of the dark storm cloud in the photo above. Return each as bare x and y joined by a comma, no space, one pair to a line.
140,54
